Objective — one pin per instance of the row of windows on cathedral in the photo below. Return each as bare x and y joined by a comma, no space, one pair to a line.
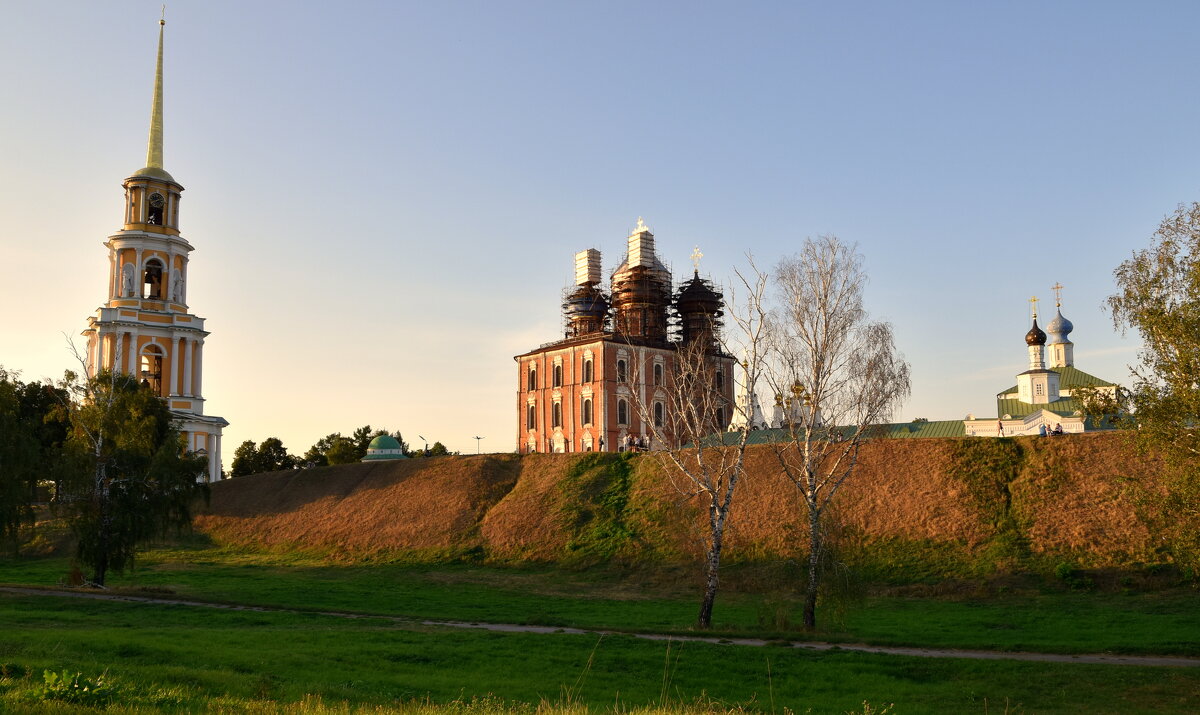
585,414
556,375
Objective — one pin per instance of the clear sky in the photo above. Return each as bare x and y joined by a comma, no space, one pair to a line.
385,197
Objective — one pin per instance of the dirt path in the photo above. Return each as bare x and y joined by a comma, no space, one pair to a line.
1093,658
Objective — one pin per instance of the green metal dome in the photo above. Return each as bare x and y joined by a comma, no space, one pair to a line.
384,447
384,441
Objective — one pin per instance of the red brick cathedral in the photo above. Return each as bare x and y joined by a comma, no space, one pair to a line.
589,391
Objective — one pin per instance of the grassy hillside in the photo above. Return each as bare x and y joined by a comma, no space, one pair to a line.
932,507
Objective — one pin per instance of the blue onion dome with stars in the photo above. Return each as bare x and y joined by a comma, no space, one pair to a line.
1059,328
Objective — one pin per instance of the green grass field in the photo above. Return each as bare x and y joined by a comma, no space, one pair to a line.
1049,619
180,658
185,658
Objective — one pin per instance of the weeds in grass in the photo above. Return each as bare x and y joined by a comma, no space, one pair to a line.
75,688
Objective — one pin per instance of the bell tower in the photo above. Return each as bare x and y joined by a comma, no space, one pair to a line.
145,327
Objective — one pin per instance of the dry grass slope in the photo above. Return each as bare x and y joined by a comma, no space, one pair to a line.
1070,497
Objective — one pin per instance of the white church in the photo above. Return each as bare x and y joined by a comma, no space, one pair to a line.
1043,399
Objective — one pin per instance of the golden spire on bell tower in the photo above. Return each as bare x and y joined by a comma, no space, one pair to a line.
154,145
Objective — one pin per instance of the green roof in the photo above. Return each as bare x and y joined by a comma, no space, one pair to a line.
1065,406
942,428
1068,379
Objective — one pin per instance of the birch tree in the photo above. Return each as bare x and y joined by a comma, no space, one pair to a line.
1158,296
700,463
839,376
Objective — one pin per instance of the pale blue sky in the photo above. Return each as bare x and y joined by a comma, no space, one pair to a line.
385,197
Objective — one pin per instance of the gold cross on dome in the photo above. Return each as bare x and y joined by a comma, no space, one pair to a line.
696,256
641,227
1057,288
1033,302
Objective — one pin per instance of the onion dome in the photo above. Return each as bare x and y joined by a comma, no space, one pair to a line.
586,310
698,296
1035,336
384,447
699,309
1059,328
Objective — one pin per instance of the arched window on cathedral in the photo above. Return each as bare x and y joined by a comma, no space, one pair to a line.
151,368
658,413
556,415
658,373
719,380
532,378
622,412
558,375
585,413
531,417
587,370
622,371
152,280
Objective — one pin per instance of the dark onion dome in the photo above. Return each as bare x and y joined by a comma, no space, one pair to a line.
1035,336
697,296
1059,328
586,301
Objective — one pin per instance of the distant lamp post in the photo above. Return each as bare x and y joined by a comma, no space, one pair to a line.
478,440
426,452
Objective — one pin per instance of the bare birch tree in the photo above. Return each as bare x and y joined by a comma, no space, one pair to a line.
682,416
839,375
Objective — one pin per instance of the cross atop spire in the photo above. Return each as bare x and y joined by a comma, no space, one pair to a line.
1033,303
696,256
1057,288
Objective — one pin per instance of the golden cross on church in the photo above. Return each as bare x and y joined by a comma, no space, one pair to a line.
1057,288
696,256
1033,302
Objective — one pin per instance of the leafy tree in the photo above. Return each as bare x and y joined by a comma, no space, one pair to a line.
1158,295
438,450
245,459
18,460
270,456
43,408
33,428
131,478
362,439
343,451
315,456
273,456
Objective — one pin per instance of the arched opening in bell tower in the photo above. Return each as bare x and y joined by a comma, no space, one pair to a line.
154,212
151,368
152,280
